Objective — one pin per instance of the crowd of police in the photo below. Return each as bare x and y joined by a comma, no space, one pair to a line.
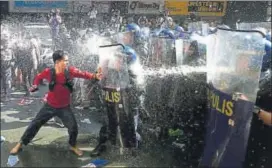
21,59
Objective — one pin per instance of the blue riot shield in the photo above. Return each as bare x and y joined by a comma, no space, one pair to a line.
234,65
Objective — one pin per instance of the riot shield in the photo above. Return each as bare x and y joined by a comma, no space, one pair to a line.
234,64
114,67
190,52
195,26
161,52
200,27
205,29
252,26
125,38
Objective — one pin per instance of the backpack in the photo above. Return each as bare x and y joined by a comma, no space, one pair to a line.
68,84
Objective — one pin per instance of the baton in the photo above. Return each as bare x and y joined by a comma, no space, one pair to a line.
112,45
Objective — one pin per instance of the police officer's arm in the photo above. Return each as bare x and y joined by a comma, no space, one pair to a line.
76,73
266,117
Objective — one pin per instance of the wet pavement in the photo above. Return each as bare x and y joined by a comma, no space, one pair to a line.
50,148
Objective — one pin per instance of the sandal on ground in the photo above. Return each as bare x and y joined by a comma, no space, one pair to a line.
76,151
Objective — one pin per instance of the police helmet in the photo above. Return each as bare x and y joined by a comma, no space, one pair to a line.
133,27
268,36
168,33
130,52
179,29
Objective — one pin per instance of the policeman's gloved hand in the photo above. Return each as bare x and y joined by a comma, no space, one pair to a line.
33,88
98,75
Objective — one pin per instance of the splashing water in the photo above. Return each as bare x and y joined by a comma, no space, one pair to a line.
182,70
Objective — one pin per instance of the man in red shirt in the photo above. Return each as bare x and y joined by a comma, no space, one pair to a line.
58,100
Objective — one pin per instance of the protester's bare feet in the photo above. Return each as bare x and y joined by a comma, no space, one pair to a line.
76,150
16,149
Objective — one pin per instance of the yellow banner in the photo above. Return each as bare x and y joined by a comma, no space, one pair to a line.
177,7
202,8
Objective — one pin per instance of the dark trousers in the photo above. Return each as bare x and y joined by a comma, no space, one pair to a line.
46,113
126,124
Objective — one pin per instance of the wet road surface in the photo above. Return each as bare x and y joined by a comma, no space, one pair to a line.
50,148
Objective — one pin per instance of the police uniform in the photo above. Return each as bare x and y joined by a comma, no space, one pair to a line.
259,151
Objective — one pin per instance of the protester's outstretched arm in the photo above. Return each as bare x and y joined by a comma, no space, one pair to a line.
83,74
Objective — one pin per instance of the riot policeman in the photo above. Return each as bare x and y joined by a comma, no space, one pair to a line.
122,104
259,145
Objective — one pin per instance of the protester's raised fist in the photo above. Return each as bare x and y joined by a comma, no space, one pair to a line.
33,88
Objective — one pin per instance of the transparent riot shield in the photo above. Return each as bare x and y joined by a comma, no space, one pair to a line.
113,64
205,29
200,27
190,52
125,38
252,26
161,52
234,62
195,26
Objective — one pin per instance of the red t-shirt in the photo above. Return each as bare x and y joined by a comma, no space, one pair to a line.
60,96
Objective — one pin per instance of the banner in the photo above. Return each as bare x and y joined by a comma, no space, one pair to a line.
85,6
145,7
207,8
177,7
202,8
39,6
234,69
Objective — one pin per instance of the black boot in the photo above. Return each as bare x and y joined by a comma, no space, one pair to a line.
100,148
103,137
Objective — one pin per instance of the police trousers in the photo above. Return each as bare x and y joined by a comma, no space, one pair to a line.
46,113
